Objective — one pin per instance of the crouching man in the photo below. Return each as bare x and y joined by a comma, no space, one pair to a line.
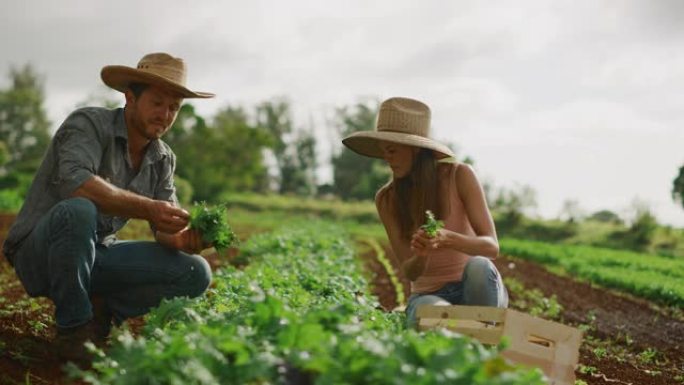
102,168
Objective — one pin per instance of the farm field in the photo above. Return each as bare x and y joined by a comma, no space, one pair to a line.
631,336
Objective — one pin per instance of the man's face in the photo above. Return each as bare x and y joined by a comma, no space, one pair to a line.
153,112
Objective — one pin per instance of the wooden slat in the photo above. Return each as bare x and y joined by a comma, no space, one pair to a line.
522,329
484,333
551,346
478,313
563,374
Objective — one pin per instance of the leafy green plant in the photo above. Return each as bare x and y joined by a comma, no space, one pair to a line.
533,301
298,313
431,225
648,356
212,223
653,277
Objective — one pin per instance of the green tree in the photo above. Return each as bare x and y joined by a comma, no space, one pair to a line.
276,118
356,176
605,216
294,150
571,211
24,126
678,187
4,154
641,230
512,204
298,168
224,156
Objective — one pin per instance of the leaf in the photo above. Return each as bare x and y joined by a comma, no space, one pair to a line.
431,225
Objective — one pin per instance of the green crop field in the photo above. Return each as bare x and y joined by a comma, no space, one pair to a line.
299,312
658,278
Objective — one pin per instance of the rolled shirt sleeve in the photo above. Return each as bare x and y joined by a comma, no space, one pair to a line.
165,189
78,153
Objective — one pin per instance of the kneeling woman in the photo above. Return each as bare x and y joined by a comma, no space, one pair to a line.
455,266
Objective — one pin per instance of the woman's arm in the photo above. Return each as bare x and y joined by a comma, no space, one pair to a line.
414,267
484,242
411,266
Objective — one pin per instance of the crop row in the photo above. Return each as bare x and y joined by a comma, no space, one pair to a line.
299,312
657,278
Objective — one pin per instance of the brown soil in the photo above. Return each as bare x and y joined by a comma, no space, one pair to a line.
621,326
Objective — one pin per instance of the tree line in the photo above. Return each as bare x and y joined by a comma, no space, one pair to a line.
261,149
229,151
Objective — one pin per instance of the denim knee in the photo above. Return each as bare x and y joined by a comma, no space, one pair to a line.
480,268
417,300
482,284
199,277
77,211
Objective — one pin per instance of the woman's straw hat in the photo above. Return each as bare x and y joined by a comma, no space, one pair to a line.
159,69
400,120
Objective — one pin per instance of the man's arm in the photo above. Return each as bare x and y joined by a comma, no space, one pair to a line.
112,200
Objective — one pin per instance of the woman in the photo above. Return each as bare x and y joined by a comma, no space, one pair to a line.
455,266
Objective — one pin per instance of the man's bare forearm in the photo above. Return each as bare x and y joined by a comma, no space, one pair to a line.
113,200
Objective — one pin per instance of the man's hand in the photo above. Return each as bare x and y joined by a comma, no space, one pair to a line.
187,240
166,217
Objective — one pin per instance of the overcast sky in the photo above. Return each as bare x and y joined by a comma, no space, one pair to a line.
581,100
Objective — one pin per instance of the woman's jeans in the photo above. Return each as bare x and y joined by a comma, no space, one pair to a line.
62,260
481,286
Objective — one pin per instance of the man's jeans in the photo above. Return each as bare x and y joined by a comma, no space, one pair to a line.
481,286
61,260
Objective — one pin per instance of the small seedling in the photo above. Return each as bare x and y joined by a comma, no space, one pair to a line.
431,225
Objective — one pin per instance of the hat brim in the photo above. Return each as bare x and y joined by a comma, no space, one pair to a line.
120,77
366,143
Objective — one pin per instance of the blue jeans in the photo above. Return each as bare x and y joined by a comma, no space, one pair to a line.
481,286
62,260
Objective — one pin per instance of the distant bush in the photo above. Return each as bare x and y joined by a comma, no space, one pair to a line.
537,230
605,216
10,201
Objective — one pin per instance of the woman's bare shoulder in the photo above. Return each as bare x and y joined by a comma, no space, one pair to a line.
464,173
447,170
383,195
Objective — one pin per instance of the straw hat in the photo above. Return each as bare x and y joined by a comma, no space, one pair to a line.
400,120
158,69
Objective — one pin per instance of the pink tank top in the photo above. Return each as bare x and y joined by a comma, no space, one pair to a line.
446,265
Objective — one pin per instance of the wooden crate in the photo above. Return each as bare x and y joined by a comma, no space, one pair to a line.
550,346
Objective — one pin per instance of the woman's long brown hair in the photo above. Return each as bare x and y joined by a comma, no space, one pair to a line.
417,192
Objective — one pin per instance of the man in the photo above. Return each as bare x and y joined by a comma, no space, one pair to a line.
102,168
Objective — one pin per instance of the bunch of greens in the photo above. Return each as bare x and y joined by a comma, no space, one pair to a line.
212,223
431,225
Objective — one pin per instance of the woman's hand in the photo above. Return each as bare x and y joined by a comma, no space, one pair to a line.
423,246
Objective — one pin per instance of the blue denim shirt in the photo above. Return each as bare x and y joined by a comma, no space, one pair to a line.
93,141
